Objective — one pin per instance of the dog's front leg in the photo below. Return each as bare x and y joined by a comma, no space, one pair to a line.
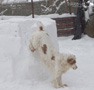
60,83
56,81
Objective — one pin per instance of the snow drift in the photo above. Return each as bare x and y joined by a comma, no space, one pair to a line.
16,60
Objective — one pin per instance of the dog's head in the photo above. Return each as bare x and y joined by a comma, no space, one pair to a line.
71,60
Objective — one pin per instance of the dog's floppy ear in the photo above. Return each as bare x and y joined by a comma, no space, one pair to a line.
71,61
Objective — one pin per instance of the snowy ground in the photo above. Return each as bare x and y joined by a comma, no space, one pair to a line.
80,79
11,41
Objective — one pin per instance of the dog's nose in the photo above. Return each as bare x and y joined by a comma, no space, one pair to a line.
75,67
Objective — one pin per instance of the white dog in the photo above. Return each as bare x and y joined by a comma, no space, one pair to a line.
57,63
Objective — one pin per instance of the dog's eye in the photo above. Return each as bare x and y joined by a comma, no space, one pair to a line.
71,61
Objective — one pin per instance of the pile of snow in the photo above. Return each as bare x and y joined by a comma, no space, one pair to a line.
16,60
54,15
37,16
10,17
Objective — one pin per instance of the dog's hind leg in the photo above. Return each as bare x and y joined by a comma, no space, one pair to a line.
31,47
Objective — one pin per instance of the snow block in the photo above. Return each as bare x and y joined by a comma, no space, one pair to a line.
16,60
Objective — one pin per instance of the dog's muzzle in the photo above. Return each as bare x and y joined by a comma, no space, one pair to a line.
74,67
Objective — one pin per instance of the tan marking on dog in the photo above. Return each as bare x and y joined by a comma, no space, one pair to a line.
41,28
44,48
53,58
71,61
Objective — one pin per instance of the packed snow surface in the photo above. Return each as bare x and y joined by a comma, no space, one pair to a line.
20,69
39,16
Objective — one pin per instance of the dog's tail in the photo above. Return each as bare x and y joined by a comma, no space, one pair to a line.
40,26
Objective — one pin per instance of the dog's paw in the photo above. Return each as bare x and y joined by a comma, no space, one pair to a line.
57,86
32,49
64,85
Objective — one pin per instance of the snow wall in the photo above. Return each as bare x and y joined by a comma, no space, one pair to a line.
16,60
